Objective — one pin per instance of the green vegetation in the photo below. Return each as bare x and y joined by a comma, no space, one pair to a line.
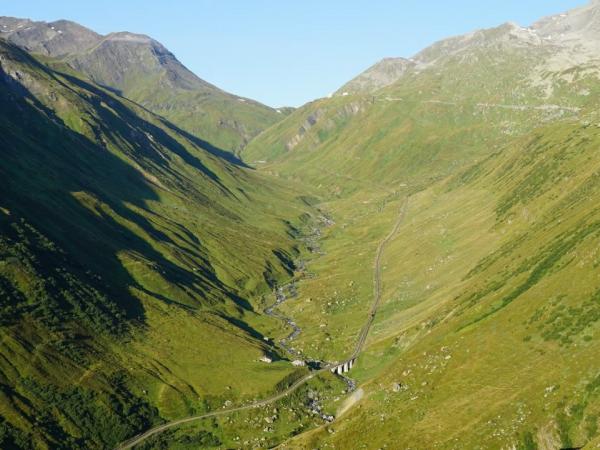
144,71
133,260
136,262
489,319
141,69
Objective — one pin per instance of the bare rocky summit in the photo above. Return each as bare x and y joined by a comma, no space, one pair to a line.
143,70
48,38
108,60
558,43
378,76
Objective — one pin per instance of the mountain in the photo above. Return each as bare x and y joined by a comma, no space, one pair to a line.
444,212
141,69
573,27
510,75
380,75
572,37
486,333
54,39
487,336
134,262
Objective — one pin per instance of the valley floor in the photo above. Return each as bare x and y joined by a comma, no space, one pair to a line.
325,369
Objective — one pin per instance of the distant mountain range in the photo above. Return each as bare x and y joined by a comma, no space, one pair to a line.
141,69
510,66
573,38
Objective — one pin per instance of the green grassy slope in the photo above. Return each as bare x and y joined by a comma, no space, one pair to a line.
486,335
362,151
491,313
449,110
134,262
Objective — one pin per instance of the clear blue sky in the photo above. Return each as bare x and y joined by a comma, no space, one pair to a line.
287,52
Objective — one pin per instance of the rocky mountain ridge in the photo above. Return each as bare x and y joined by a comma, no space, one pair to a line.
378,76
145,71
568,39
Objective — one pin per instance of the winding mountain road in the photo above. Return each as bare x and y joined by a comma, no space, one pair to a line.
377,282
377,287
522,107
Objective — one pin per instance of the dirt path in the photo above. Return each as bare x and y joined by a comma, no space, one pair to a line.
544,107
350,402
260,403
377,281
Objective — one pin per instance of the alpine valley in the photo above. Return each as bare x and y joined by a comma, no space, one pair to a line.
410,263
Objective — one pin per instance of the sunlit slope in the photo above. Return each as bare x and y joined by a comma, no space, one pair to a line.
487,337
462,101
132,262
142,70
468,100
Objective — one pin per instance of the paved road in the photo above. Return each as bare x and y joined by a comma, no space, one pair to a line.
358,349
222,412
544,107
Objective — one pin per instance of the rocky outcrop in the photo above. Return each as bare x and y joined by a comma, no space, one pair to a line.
48,38
324,119
380,75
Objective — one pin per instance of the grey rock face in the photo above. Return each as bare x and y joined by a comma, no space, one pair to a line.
121,58
52,39
560,42
108,60
578,23
382,74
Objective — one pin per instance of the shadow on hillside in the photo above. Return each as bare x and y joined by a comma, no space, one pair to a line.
228,156
143,137
244,326
49,172
178,148
223,154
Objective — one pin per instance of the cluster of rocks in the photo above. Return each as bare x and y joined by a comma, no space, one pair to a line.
350,383
315,407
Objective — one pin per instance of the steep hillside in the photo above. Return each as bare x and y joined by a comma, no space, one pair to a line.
385,72
134,262
466,97
137,259
143,70
486,336
460,99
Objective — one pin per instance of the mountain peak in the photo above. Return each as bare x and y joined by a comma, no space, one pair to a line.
378,76
126,36
48,38
579,23
143,70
